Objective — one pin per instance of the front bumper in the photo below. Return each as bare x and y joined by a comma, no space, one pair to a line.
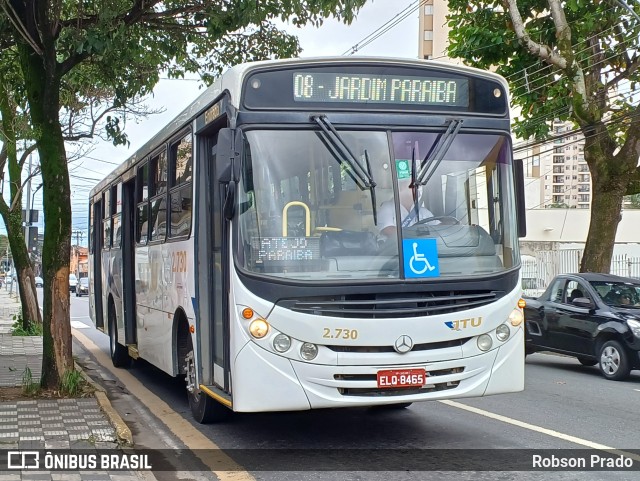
269,382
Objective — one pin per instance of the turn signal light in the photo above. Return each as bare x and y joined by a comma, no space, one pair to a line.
247,313
522,303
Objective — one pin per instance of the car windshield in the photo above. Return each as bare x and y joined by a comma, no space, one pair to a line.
307,209
84,281
618,294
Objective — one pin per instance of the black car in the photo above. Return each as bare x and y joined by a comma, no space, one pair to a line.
82,289
594,317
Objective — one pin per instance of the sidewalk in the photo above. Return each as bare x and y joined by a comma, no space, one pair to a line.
46,423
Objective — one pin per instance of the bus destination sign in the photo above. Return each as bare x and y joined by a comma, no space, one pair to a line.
380,89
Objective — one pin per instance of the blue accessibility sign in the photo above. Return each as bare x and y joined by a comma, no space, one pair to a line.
420,258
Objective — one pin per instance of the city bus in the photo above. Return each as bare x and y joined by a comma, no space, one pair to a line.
319,233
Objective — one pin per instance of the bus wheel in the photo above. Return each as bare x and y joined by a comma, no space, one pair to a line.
119,354
203,408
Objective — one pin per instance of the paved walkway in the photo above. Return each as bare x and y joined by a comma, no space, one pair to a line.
17,353
47,424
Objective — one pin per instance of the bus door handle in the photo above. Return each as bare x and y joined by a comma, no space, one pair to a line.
307,223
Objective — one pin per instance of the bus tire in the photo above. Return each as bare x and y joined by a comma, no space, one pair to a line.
203,408
119,353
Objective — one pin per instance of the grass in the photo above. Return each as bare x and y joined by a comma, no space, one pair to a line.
30,387
17,329
72,383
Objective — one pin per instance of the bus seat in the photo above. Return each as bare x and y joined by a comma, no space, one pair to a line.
352,211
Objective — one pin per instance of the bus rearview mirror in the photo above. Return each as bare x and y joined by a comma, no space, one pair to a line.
229,200
229,154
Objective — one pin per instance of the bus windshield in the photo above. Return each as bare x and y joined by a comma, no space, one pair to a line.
306,213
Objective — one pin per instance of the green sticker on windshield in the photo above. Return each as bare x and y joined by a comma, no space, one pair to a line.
403,168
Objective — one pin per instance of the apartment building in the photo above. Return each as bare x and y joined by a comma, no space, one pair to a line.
433,31
567,181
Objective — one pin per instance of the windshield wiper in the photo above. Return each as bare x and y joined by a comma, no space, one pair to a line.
433,159
339,146
372,189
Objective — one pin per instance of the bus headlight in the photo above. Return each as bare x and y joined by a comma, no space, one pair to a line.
259,328
484,342
503,332
308,351
281,343
516,317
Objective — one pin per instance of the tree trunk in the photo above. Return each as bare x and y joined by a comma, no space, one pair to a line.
42,87
606,206
24,271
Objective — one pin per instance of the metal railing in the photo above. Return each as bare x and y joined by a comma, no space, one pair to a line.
539,270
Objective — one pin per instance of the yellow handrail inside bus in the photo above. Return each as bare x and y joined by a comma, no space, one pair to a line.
307,224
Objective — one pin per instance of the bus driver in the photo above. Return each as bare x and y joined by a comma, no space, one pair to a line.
410,212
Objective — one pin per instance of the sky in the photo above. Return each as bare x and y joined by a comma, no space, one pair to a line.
332,38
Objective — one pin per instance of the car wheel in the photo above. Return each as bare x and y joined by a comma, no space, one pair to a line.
585,361
614,361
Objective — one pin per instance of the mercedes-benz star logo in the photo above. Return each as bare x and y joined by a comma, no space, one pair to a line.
403,344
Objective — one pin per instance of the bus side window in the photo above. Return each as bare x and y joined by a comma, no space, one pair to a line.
158,195
142,199
180,188
158,218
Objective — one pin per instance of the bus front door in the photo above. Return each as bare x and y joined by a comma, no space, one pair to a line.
212,289
98,242
128,262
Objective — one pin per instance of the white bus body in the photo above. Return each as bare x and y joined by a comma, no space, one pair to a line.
243,245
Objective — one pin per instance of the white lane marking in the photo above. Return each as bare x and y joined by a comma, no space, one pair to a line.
539,429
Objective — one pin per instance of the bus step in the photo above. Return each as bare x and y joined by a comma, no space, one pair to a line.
133,351
218,394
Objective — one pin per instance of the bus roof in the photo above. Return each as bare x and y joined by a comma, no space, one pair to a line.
231,81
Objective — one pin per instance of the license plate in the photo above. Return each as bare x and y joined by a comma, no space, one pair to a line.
393,378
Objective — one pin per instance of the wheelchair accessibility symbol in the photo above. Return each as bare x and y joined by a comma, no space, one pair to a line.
421,258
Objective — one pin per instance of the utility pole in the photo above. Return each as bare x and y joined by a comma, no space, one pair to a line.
79,234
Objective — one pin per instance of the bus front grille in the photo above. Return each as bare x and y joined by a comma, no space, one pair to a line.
366,391
384,306
427,346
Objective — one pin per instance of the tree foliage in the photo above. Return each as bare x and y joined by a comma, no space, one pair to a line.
574,60
122,46
15,130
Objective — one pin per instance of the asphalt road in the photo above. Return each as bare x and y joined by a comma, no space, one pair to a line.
564,406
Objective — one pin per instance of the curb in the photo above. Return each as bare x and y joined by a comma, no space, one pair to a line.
123,433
